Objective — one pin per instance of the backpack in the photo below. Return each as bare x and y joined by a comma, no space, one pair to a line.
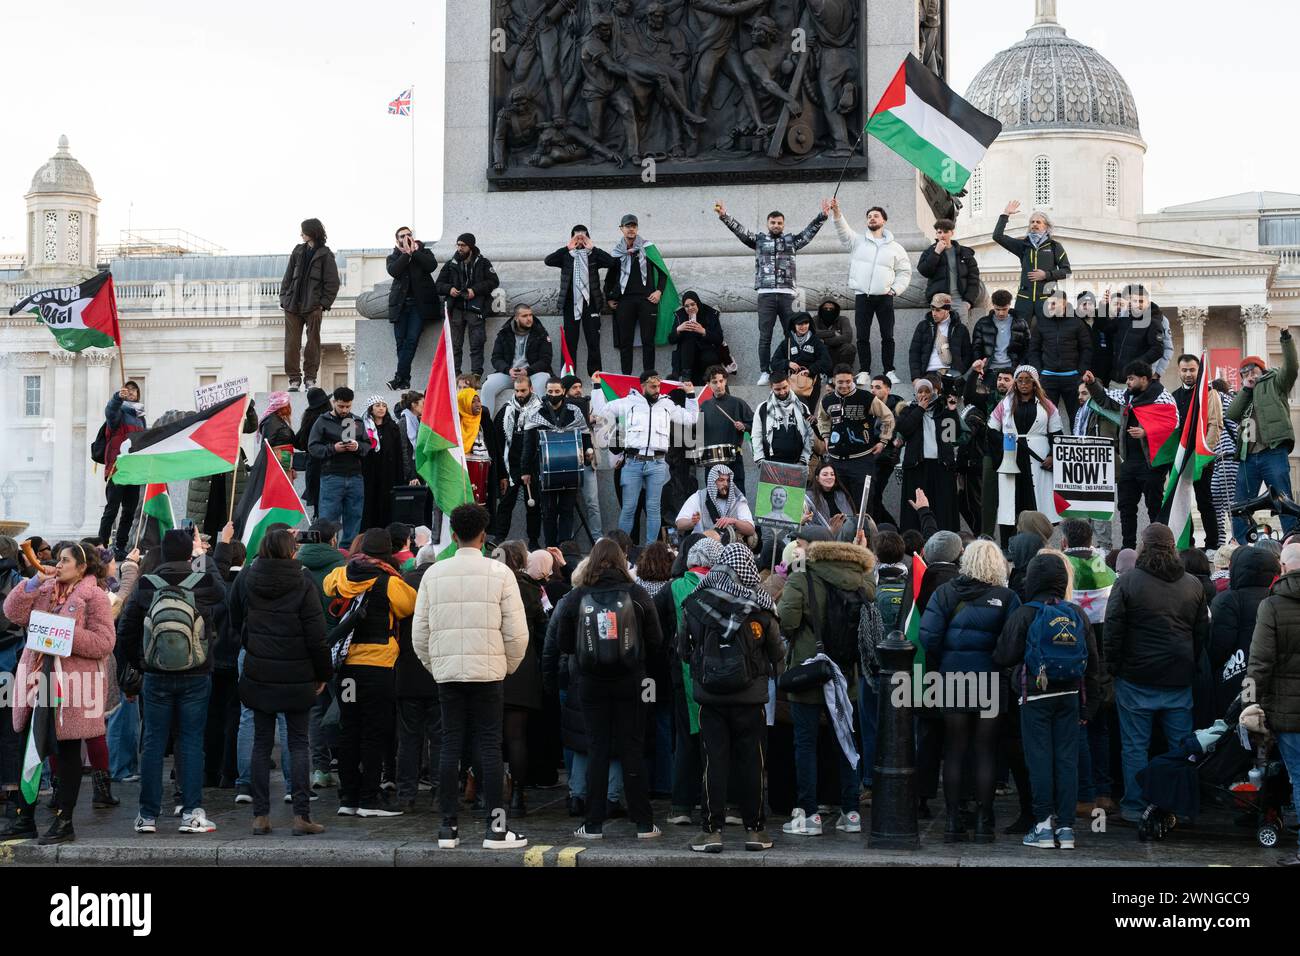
1056,648
725,660
99,447
609,641
891,588
843,618
173,628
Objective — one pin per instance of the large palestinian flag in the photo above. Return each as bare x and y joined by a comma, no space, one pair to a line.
931,127
205,443
1187,452
439,448
268,499
669,302
80,316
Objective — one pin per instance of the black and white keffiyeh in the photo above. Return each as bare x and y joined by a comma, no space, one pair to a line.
736,574
716,507
624,255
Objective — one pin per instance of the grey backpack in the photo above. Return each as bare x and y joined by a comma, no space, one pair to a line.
173,628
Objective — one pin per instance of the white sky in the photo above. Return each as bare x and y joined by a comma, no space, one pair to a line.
236,121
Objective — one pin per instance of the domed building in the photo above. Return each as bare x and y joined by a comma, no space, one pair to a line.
62,217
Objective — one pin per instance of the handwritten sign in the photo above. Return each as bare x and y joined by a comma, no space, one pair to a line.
50,634
205,396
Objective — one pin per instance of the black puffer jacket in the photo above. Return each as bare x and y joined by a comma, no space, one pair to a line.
1060,344
537,349
1135,338
411,677
311,280
984,339
523,688
276,611
1275,655
1232,619
959,345
475,272
934,267
1157,623
413,277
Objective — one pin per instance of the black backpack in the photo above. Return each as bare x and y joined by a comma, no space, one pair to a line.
609,640
843,618
728,654
99,447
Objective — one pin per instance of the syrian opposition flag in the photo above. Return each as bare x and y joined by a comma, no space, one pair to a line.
912,626
268,499
1185,449
80,316
42,734
205,443
439,446
931,127
1093,580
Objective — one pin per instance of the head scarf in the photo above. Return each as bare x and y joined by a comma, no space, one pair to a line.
540,565
737,575
704,553
727,507
468,423
277,401
372,429
1126,561
1033,372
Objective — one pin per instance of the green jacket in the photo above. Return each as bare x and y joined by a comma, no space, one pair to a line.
1275,655
830,564
319,560
1268,403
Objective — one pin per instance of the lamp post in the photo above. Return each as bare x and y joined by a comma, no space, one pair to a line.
893,793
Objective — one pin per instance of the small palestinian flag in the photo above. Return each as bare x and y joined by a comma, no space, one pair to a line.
613,386
42,732
80,316
931,127
912,625
205,443
268,499
158,505
1159,419
439,446
1187,452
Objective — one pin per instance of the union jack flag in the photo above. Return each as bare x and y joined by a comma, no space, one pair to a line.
403,104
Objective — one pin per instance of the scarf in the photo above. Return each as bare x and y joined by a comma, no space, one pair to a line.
1036,239
716,507
511,419
840,709
468,423
412,423
136,407
783,413
277,401
624,255
581,279
736,575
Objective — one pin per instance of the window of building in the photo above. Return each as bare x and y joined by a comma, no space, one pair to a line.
1042,182
1112,183
72,238
1279,231
51,236
207,380
976,187
32,396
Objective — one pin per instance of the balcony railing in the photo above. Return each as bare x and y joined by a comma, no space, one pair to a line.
1288,258
204,297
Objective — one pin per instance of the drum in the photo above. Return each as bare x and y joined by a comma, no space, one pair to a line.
561,454
478,479
712,455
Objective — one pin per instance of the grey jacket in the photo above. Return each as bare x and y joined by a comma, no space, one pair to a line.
774,255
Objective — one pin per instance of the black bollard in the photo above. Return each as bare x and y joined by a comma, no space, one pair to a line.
893,792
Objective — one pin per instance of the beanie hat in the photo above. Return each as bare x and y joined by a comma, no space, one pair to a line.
177,545
468,239
377,543
942,546
1252,360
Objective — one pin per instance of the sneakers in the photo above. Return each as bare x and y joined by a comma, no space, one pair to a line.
196,821
763,379
1065,838
1043,837
893,379
295,384
321,780
708,842
146,825
448,837
309,383
651,834
582,833
347,811
508,840
376,812
732,818
803,825
850,822
679,818
863,380
242,795
176,810
130,778
288,797
757,840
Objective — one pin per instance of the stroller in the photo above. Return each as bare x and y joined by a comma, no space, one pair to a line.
1224,766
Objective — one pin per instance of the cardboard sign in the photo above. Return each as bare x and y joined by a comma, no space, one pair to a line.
781,492
205,396
1083,476
50,634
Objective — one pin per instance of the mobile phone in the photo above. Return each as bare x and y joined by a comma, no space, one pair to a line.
187,524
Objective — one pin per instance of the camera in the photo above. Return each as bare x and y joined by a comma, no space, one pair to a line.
307,537
951,385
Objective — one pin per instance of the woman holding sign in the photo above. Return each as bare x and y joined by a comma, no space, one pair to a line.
1027,423
73,593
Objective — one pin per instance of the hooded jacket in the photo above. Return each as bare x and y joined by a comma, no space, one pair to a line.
703,601
120,420
275,610
1275,655
318,560
523,688
1050,256
537,349
1269,403
708,317
389,601
567,618
962,623
311,280
810,354
836,334
1233,614
984,339
876,266
959,344
829,564
1156,623
1021,549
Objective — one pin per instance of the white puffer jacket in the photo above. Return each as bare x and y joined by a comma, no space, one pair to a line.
469,622
876,266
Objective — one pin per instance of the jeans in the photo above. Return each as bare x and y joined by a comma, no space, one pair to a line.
123,497
613,710
867,717
1097,758
1139,706
652,476
317,739
299,782
633,312
406,334
499,382
341,501
578,778
419,734
173,703
734,735
124,740
866,307
366,729
558,509
1049,731
771,306
807,718
461,320
244,744
1268,467
294,324
1288,744
591,501
477,708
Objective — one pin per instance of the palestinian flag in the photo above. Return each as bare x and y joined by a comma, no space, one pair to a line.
669,302
931,127
439,448
1085,493
268,499
80,316
912,626
1160,420
566,366
204,443
1188,454
158,505
1093,580
611,387
42,734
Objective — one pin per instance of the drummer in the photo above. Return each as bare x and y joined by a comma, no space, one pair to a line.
555,414
719,506
478,454
723,421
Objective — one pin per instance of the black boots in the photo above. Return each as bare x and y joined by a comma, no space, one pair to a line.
984,830
954,830
22,826
103,785
517,809
60,830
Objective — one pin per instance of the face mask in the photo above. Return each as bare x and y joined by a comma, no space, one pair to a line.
556,400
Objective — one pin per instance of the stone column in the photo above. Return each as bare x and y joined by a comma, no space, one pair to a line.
63,479
99,363
1255,320
1193,318
350,351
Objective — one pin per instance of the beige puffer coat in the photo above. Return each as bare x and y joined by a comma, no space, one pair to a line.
469,624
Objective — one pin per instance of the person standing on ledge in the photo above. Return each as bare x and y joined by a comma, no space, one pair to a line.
309,287
580,262
412,299
467,281
774,272
633,292
878,271
1043,261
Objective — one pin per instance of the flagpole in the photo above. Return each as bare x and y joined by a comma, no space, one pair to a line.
852,153
412,114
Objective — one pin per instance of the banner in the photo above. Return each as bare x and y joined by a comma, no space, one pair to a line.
205,396
50,634
1083,476
781,491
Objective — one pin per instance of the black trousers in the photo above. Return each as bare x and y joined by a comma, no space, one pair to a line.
613,710
419,740
694,355
259,781
1063,392
687,765
69,780
506,512
221,731
558,509
876,502
366,718
479,706
854,473
733,735
970,496
636,311
123,497
1205,505
865,308
590,323
1138,480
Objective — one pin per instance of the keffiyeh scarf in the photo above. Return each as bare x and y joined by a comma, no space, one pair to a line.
624,255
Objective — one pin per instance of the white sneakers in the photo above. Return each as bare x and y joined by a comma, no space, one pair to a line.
764,379
850,822
802,825
196,821
146,825
347,811
894,379
376,812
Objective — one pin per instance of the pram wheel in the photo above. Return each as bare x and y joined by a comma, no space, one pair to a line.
1267,835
